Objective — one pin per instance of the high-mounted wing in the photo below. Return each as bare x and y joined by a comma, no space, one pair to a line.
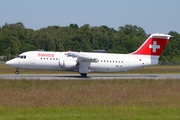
82,56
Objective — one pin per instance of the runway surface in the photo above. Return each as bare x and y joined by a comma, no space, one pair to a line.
89,77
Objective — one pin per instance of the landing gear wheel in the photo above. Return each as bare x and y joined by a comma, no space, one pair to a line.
83,74
17,72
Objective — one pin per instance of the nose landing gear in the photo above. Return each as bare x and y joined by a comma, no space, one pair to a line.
16,72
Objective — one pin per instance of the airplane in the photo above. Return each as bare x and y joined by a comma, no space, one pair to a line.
83,62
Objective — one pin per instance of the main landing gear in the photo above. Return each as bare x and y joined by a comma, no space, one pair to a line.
83,74
16,72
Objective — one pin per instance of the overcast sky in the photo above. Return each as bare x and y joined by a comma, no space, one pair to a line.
153,16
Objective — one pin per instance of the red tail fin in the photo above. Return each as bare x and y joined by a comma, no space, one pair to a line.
154,45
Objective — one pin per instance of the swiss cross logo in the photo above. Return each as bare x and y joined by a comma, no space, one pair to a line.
154,46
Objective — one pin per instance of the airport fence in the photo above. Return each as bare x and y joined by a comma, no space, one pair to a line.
169,63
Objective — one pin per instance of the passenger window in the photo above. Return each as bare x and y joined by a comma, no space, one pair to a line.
25,57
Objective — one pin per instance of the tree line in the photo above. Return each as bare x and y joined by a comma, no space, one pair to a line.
15,39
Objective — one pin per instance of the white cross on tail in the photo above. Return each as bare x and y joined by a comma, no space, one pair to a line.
154,46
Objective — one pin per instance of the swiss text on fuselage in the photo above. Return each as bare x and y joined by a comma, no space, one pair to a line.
45,55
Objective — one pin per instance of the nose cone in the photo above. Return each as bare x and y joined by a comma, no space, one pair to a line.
7,63
12,63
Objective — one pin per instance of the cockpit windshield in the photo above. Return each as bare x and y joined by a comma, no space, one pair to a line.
22,56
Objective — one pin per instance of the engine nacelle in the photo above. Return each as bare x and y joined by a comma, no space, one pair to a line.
67,63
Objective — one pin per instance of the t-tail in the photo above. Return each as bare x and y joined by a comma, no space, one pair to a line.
154,45
150,51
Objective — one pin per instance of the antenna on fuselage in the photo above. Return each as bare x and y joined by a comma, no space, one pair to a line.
39,50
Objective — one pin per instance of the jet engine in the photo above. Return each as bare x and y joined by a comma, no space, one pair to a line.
67,63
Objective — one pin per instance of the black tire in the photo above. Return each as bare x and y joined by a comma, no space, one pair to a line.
83,74
17,72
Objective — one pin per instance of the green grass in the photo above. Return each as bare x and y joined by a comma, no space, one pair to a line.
92,99
90,113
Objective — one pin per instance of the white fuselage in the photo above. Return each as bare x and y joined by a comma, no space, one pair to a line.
84,62
62,62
